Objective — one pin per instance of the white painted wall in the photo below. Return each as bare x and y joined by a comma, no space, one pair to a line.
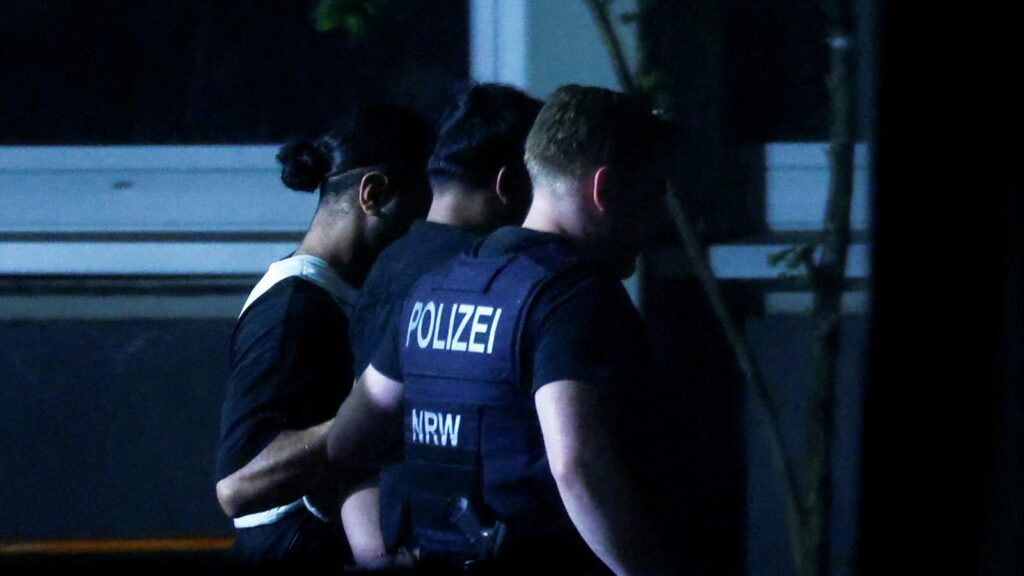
538,45
566,47
498,41
796,182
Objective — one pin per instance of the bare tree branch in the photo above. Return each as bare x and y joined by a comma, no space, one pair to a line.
748,366
830,278
795,516
599,10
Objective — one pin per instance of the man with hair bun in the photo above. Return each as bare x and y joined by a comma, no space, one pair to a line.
511,368
291,364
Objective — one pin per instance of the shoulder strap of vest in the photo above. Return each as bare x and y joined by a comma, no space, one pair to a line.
469,274
556,265
308,268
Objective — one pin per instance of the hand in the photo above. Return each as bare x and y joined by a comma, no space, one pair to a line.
400,559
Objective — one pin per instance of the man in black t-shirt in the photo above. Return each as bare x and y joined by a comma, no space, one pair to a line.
290,360
479,182
513,368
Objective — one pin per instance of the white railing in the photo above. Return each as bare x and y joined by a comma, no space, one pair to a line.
140,210
222,210
147,189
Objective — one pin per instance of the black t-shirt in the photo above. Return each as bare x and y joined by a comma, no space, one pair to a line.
290,369
581,326
380,302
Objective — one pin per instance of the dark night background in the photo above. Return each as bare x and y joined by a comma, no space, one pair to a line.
108,426
191,72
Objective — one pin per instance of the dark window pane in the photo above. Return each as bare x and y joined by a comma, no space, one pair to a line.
191,71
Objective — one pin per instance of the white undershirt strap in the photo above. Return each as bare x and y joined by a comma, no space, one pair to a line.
308,268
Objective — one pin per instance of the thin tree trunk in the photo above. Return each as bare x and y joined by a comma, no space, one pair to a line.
751,373
829,277
741,348
599,9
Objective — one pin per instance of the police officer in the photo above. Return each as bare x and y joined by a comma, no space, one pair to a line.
479,183
290,361
509,364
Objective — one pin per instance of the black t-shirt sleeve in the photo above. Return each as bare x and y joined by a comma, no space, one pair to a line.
370,313
581,328
290,368
388,360
383,295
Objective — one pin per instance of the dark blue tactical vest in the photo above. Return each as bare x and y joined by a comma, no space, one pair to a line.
471,427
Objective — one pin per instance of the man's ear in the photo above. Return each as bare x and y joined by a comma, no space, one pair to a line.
374,192
599,188
500,184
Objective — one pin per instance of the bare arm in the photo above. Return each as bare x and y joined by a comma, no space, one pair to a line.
368,422
284,471
592,480
360,516
291,466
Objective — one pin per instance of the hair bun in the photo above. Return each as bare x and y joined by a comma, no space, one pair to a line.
303,165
